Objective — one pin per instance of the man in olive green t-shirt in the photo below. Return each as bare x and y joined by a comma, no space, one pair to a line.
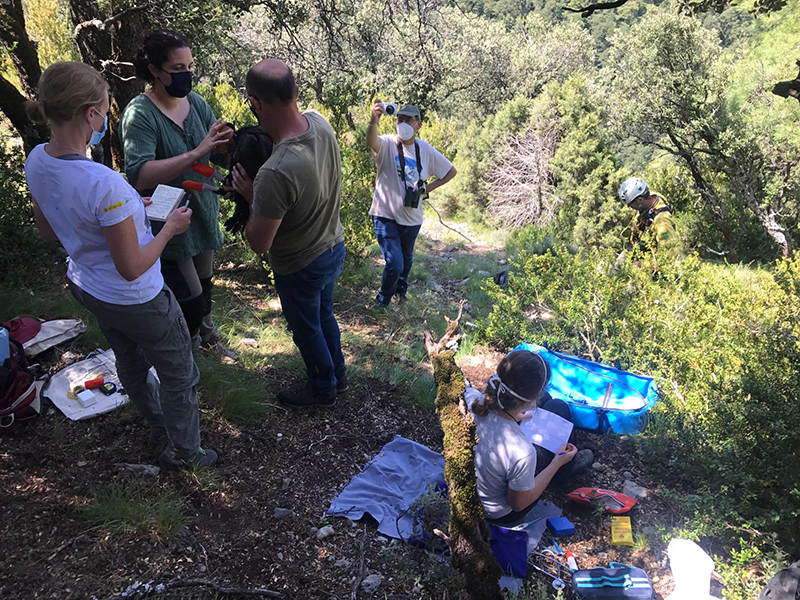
295,217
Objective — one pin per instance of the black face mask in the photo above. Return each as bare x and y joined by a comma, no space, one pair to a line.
181,84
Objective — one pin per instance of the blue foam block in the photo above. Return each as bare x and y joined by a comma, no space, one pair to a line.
559,526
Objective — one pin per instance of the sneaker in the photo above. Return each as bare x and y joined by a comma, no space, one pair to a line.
203,458
582,461
341,383
211,338
303,397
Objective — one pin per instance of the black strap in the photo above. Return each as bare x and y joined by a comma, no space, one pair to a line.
403,162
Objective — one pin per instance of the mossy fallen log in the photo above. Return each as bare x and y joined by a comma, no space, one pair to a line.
468,534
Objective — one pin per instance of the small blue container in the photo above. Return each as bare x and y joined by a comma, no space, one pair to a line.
5,349
559,526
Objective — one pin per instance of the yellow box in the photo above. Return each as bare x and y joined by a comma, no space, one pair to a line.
621,531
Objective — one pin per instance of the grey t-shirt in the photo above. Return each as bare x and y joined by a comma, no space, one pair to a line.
504,458
301,184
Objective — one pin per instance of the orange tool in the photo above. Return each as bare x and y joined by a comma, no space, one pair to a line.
197,186
207,171
615,502
93,383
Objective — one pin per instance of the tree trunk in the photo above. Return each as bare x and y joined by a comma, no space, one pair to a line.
12,103
25,58
468,535
109,43
21,48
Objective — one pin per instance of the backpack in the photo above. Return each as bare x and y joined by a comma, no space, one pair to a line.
18,394
617,581
600,398
785,585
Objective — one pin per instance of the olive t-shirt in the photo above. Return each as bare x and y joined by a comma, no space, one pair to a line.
301,184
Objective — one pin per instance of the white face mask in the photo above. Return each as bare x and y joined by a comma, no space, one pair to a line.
405,131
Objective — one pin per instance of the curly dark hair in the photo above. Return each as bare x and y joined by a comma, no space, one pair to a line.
155,51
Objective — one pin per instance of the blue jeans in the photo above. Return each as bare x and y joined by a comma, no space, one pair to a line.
397,246
307,301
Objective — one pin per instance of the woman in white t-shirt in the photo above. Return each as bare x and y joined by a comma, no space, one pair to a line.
512,472
114,259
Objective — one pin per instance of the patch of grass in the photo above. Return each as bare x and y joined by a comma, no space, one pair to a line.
136,509
640,542
59,435
234,395
423,391
207,480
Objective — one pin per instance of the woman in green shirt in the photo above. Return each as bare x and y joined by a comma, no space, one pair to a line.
165,131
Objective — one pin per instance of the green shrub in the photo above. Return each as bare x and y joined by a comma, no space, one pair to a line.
22,251
722,343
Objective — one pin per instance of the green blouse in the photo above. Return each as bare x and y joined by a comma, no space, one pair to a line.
148,134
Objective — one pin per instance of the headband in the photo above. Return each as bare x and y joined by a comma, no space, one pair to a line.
496,383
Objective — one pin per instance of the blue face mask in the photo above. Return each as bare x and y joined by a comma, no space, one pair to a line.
98,135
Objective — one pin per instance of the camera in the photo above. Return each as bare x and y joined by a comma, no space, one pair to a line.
414,194
389,108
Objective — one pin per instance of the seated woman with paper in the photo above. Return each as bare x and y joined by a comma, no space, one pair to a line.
511,470
114,259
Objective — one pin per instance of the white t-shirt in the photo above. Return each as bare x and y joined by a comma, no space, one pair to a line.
389,190
504,458
79,197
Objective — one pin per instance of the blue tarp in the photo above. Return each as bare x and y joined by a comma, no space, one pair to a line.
600,397
390,483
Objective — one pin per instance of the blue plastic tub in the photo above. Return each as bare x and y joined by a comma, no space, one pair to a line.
600,397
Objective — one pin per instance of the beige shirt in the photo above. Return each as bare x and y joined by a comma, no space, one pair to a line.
389,189
301,184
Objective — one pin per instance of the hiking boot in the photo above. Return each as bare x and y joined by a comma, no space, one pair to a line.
582,461
341,383
303,397
203,458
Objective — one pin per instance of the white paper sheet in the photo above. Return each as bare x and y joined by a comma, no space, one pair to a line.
547,430
99,363
164,199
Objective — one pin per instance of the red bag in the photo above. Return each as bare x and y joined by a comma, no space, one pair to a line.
17,387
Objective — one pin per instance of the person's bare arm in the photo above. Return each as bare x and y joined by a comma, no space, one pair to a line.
164,170
519,500
132,260
260,232
440,182
373,141
42,224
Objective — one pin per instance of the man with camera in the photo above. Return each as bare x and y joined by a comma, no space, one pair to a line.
404,164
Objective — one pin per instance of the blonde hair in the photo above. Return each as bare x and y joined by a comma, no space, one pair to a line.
522,373
66,89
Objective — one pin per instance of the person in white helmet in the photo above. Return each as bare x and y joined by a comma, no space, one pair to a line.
653,226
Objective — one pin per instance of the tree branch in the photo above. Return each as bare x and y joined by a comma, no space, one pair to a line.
102,25
587,11
143,590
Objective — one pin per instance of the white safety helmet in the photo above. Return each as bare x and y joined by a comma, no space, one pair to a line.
631,189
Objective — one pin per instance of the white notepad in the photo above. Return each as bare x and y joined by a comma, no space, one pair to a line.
164,199
547,430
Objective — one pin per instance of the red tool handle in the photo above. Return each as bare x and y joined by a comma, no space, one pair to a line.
93,383
197,186
203,169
